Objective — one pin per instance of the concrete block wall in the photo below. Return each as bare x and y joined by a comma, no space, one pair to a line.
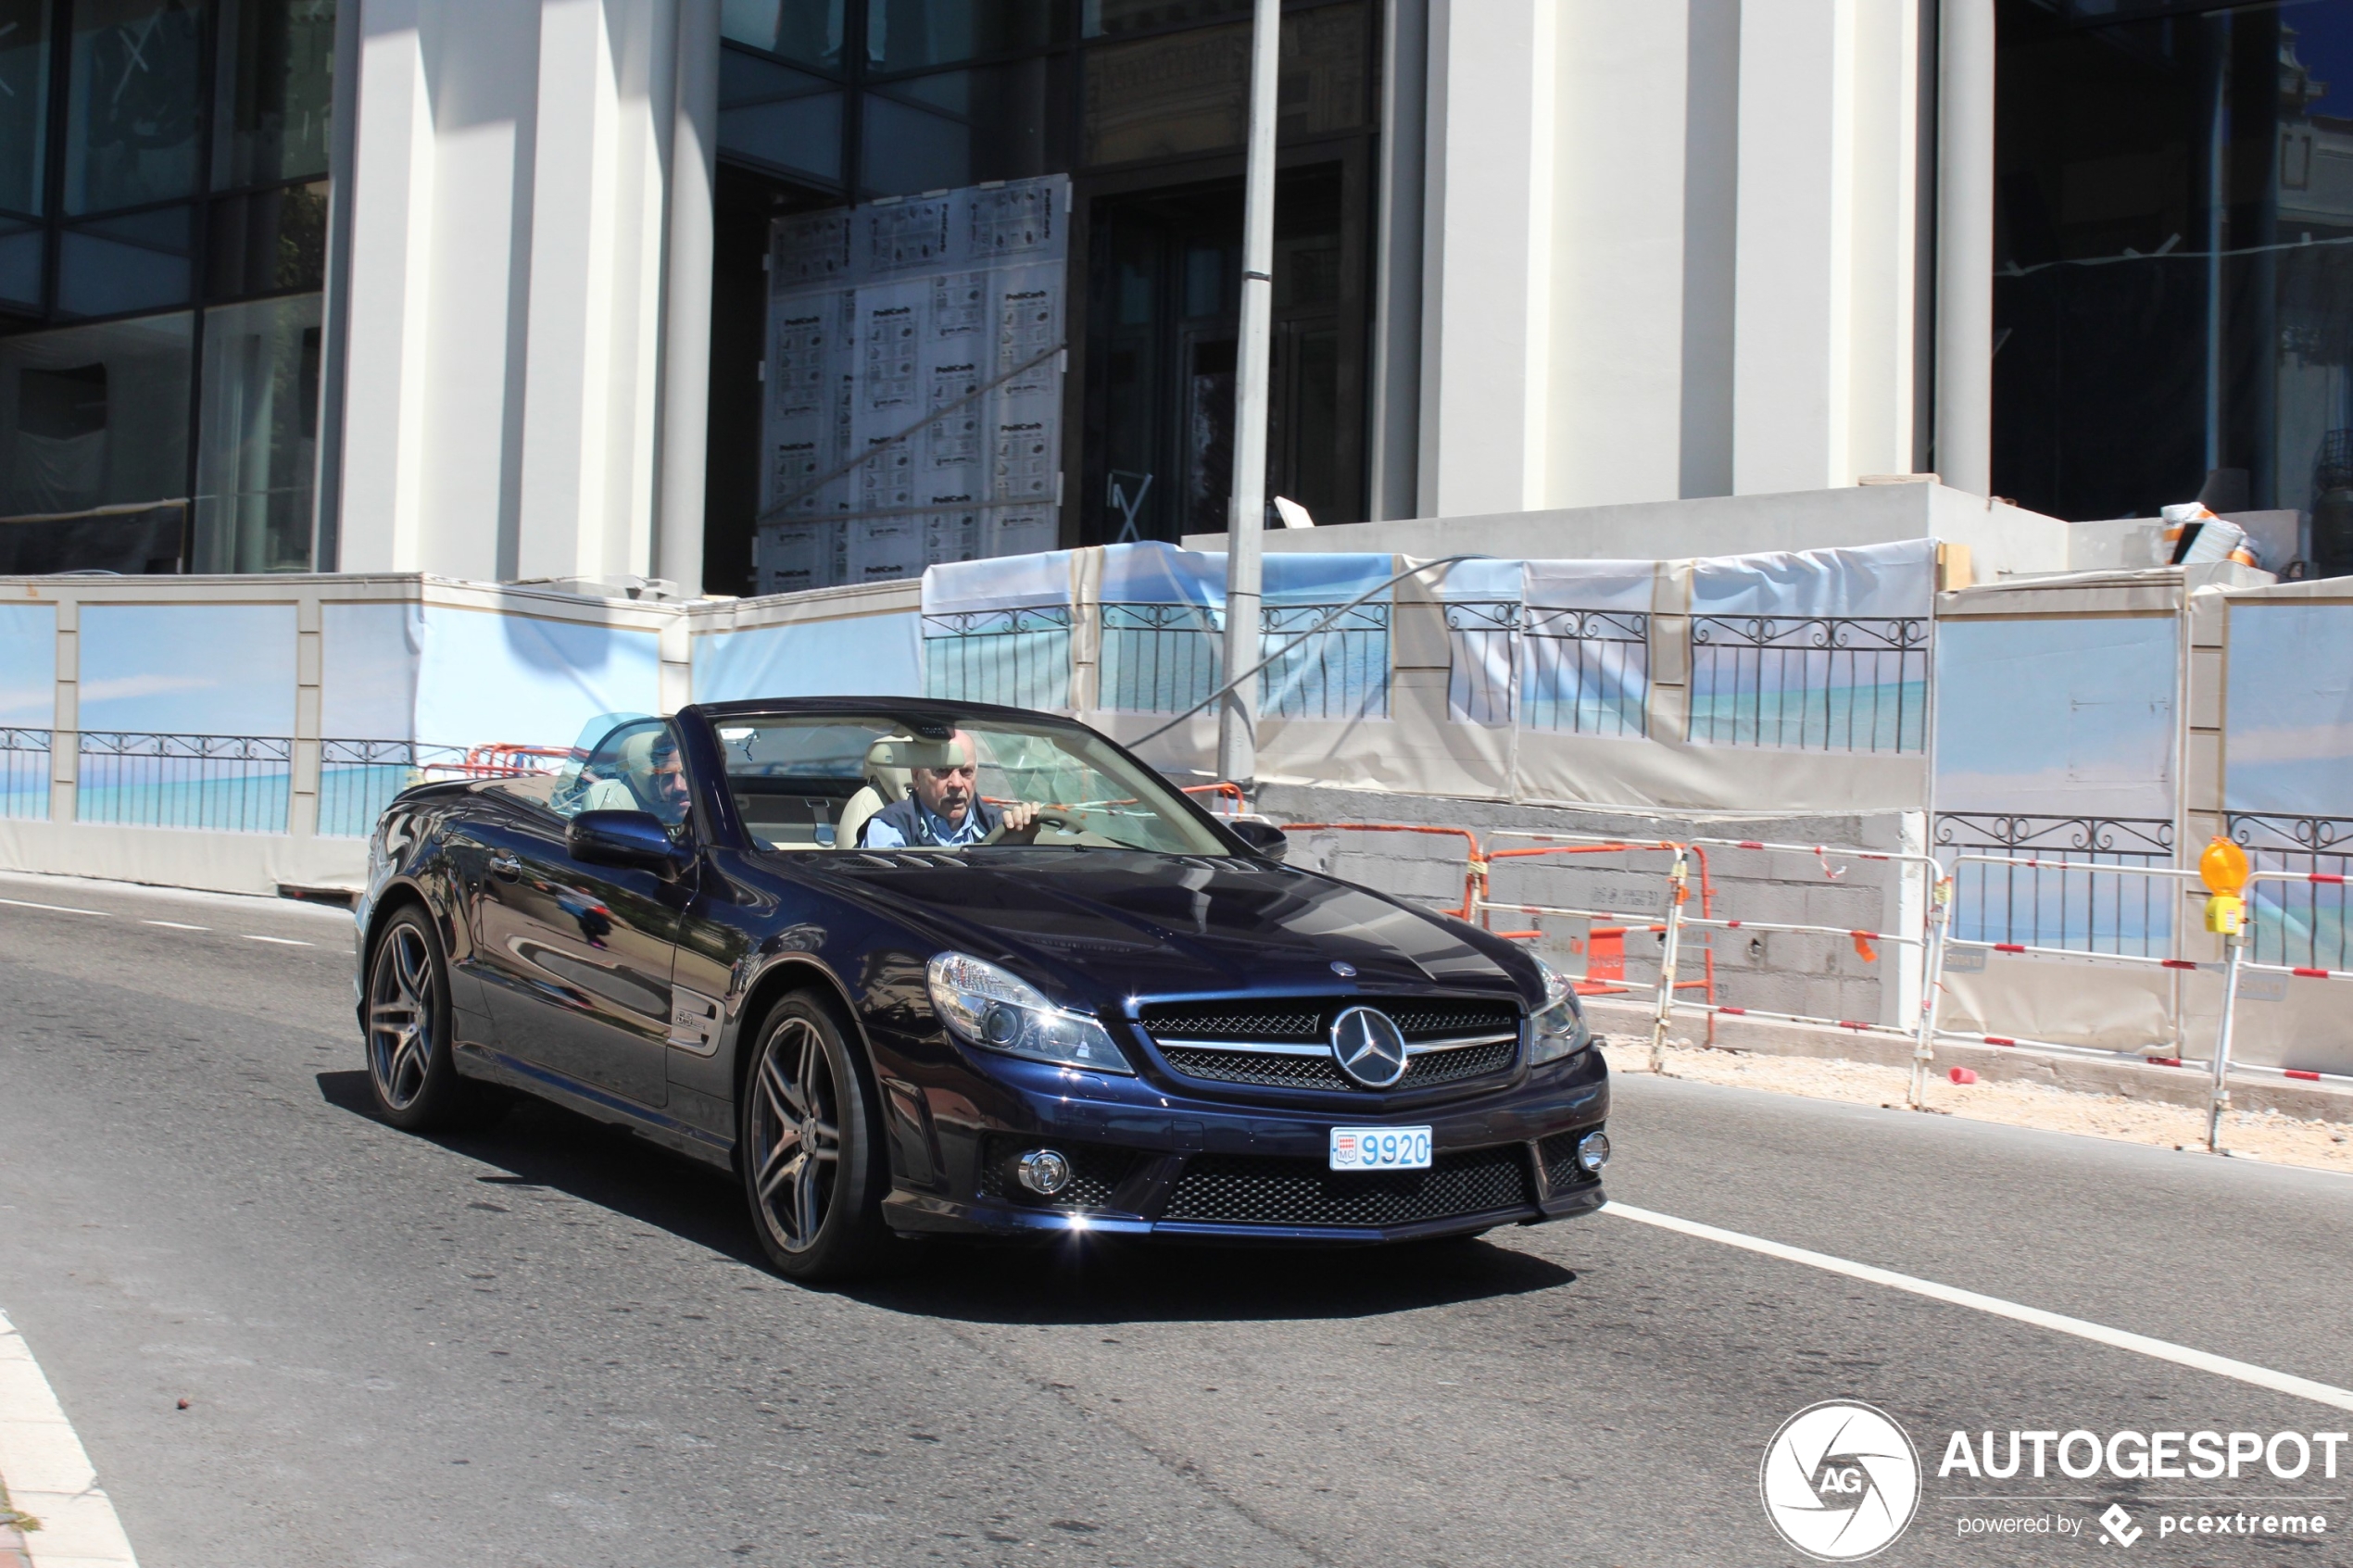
1783,972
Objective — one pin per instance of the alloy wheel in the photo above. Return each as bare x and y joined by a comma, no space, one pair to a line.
400,1020
796,1135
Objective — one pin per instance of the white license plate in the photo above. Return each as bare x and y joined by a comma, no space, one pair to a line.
1380,1149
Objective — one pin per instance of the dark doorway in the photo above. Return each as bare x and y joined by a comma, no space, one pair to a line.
1163,322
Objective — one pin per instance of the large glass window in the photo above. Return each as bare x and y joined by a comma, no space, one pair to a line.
962,127
272,119
1145,104
130,103
180,213
95,415
2174,288
24,106
261,434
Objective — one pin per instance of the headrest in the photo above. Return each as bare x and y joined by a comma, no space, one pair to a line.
637,751
904,751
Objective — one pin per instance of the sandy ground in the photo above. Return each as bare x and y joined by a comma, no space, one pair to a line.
2286,1140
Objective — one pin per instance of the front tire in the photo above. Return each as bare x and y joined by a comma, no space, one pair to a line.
412,1075
813,1168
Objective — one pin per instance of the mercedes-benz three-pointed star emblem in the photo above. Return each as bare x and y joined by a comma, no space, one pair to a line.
1369,1047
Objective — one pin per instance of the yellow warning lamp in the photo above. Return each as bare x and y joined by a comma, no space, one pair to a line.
2223,869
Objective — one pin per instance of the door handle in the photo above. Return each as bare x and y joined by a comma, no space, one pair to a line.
505,867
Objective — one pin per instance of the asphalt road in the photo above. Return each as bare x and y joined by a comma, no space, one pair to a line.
548,1344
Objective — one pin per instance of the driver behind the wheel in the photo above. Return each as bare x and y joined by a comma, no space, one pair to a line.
944,809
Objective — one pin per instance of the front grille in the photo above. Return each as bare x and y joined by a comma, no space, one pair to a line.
1283,1071
1310,1018
1558,1154
1257,1190
1466,1061
1095,1172
1427,1021
1224,1020
1276,1069
1172,1023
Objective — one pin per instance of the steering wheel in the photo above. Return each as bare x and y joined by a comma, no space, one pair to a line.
1069,819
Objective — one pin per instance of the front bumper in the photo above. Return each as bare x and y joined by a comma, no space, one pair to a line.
1199,1171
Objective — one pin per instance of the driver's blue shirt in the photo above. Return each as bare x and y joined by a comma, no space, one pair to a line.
890,827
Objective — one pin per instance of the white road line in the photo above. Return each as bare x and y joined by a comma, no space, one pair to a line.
280,941
175,924
48,1474
2163,1350
57,908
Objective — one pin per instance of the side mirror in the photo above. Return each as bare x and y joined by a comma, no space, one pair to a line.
634,839
1264,838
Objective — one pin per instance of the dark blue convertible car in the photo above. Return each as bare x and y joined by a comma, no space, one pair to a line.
923,967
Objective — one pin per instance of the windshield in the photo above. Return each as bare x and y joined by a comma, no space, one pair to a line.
832,781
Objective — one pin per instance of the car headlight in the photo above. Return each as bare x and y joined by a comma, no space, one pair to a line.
1002,1012
1558,1030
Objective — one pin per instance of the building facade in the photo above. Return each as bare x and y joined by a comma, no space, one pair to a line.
482,289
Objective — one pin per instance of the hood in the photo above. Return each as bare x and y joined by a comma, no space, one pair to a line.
1115,924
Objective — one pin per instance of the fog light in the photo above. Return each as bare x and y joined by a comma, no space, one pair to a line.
1045,1172
1592,1151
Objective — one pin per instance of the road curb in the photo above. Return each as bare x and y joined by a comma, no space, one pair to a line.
2122,1076
48,1475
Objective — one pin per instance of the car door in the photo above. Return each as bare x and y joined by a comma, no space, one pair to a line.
576,958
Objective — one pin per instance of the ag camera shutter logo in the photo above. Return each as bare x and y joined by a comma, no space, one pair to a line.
1840,1481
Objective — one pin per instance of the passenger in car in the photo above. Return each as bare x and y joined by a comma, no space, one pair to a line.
944,810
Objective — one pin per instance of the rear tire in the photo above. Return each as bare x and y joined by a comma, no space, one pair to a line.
810,1147
412,1072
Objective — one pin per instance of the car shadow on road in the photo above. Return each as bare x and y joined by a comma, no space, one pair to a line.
539,1144
1074,1279
1107,1280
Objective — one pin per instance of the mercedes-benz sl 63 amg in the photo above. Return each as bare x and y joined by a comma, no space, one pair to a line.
918,967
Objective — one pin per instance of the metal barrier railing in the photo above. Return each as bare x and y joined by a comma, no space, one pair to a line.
2236,965
1667,928
1934,944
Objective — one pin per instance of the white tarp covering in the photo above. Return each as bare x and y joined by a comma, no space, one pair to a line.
1584,649
2068,718
1895,579
1012,582
369,656
527,681
188,668
1813,648
877,655
2290,747
28,665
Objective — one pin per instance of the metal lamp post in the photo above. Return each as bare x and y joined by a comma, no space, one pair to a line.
1237,715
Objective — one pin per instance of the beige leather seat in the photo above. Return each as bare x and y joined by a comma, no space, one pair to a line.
888,780
633,787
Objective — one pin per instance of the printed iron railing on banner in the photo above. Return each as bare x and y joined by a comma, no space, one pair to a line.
1602,947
